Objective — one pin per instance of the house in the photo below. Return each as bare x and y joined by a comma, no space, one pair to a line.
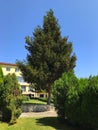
25,87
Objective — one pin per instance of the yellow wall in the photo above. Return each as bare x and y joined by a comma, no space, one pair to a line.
23,83
12,70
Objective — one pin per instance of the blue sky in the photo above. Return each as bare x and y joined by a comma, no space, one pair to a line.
78,20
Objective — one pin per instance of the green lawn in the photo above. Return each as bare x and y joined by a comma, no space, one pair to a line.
46,123
35,101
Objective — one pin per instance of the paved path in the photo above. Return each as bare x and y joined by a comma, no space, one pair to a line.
51,113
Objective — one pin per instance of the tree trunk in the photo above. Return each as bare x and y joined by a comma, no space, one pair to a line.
49,95
49,98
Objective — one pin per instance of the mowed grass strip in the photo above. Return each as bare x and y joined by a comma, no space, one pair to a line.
36,101
46,123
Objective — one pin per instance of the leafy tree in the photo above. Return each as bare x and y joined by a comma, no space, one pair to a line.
49,55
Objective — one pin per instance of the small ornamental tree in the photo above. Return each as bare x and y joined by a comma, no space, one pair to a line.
11,99
49,55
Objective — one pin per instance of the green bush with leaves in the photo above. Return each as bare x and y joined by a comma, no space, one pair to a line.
82,103
77,99
74,101
1,86
25,98
89,105
60,92
11,99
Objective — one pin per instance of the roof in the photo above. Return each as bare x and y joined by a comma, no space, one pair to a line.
7,64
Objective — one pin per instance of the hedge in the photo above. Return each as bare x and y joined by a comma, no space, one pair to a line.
77,100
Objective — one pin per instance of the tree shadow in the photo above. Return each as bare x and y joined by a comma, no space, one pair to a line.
53,122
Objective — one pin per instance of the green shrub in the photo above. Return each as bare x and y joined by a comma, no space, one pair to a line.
15,107
77,99
74,100
89,105
25,98
60,93
11,99
6,114
82,103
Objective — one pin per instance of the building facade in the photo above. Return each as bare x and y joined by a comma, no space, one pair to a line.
25,87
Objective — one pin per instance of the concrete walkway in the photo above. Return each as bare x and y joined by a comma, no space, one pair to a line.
51,113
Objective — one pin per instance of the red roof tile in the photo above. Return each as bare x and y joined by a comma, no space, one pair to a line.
9,64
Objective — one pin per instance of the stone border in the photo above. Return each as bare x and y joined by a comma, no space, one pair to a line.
36,108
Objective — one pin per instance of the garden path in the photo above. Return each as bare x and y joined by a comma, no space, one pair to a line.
51,113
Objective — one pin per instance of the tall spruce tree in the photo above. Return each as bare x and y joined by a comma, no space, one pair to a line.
49,55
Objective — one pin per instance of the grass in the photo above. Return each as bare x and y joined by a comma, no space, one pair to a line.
46,123
35,101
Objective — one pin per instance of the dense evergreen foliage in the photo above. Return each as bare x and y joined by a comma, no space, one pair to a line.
10,98
60,91
77,100
49,55
1,85
1,76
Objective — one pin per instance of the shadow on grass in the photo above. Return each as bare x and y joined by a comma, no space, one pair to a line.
53,122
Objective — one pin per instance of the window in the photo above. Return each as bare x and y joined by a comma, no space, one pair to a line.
32,95
16,69
7,68
23,88
30,88
20,79
41,95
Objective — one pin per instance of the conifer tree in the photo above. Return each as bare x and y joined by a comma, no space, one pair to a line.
49,55
10,98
